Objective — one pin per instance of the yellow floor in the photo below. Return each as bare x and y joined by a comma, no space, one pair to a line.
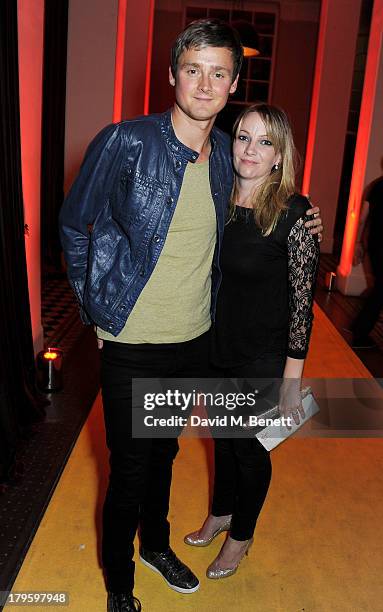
318,540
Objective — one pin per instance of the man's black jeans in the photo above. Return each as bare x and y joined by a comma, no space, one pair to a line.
368,316
140,469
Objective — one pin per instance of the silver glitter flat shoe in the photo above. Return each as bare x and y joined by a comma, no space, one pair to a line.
193,538
214,572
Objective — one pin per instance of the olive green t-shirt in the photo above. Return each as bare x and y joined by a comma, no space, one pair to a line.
174,305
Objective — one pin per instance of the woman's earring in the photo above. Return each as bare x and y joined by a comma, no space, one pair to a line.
275,167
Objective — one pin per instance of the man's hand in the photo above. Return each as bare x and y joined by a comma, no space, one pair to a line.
315,225
100,343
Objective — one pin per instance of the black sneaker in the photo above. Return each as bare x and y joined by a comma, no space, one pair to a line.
175,573
122,602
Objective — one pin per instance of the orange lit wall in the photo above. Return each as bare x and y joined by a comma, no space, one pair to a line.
297,36
168,23
30,33
137,58
92,29
133,59
109,53
329,108
369,139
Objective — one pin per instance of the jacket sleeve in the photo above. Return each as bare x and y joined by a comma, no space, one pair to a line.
86,199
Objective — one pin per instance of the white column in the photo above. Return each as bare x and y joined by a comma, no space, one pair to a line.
337,37
352,280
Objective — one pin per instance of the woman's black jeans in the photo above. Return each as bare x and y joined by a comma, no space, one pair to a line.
243,465
140,469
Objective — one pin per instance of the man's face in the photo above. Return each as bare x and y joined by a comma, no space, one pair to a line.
204,81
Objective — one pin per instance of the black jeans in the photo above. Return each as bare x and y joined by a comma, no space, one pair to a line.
140,469
368,316
243,465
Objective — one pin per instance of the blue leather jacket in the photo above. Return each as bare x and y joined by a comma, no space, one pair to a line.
115,219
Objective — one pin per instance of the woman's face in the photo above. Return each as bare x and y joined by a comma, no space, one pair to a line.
253,151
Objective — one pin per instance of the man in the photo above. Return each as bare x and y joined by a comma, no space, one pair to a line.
154,191
369,240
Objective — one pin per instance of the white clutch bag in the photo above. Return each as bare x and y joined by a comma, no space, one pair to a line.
275,433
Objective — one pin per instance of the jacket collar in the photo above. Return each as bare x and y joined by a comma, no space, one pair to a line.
176,145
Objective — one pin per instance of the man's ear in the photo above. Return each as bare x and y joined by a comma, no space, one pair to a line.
172,80
234,84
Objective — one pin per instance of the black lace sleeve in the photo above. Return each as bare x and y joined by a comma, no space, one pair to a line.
303,258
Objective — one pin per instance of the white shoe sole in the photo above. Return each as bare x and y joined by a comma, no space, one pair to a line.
172,586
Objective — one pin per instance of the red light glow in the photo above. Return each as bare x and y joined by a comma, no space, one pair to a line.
119,65
315,98
363,138
149,58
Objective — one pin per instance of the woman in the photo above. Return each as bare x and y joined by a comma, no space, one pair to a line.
264,315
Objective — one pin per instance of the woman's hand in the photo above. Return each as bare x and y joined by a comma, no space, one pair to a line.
290,400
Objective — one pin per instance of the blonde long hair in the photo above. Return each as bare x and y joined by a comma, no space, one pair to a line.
269,199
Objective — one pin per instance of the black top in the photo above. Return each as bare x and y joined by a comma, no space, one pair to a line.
265,300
